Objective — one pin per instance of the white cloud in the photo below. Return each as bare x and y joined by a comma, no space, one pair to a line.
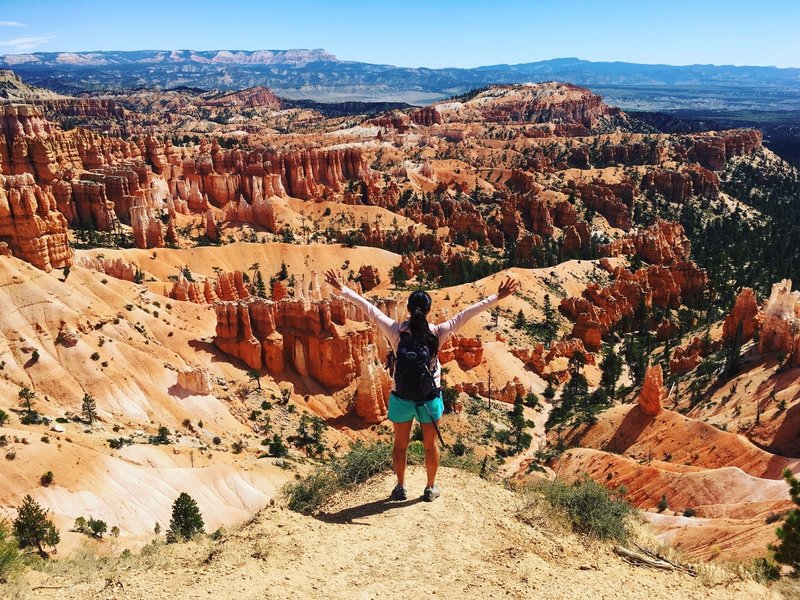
22,44
11,24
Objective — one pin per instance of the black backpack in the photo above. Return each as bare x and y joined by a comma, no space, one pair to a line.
413,366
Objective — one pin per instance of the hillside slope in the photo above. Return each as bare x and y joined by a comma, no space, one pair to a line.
468,544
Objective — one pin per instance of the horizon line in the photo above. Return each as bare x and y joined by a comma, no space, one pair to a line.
337,59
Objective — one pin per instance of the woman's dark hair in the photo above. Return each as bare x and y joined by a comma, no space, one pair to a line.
419,304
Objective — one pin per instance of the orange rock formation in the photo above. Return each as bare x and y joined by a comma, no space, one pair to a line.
30,223
743,320
652,391
780,331
545,362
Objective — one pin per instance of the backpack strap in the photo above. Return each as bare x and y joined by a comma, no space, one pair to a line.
391,359
433,421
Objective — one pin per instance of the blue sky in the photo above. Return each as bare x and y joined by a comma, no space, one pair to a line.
413,33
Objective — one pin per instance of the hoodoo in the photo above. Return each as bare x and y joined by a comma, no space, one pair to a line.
652,391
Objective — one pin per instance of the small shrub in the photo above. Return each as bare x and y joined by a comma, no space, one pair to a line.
464,462
360,463
773,518
3,417
11,455
97,527
31,418
115,531
237,447
689,512
591,509
663,504
216,441
162,437
80,525
266,405
277,448
764,570
10,559
46,479
95,356
118,443
459,448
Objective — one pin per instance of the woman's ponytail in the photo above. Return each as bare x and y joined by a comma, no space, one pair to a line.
419,304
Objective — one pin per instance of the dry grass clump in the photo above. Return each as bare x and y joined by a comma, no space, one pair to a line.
10,558
587,507
356,466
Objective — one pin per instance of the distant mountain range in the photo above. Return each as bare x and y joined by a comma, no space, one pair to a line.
318,75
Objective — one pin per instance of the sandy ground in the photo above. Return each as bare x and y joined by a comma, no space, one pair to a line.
467,544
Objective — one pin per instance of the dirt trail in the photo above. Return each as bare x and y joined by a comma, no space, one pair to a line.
467,544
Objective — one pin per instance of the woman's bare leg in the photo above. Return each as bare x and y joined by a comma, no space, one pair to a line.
402,435
431,443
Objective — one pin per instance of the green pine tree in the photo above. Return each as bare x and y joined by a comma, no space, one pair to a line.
787,552
521,438
26,398
33,528
186,519
611,367
89,409
255,375
260,286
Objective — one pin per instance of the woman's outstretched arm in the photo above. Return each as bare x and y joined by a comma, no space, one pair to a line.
387,326
446,329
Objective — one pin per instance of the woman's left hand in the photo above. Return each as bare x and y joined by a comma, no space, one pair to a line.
508,287
333,280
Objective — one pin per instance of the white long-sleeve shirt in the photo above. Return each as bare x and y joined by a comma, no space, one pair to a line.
391,328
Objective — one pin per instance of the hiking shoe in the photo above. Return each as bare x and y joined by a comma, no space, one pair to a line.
431,493
399,493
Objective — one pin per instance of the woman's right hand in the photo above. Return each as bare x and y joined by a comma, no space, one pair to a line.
333,280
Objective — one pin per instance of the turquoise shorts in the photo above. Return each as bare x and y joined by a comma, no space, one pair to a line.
403,411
